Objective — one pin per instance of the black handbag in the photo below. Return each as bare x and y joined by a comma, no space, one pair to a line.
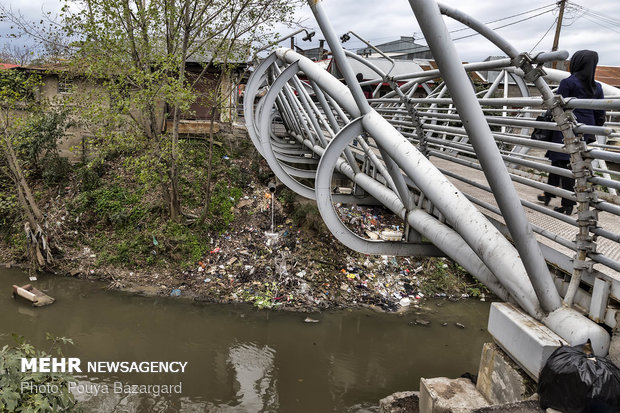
543,134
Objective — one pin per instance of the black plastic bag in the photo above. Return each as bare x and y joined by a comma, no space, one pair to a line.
543,134
575,381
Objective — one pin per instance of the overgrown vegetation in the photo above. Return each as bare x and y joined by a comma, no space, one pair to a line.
37,144
131,73
29,134
52,394
446,276
132,228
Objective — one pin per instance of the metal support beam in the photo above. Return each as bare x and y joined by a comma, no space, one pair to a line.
429,17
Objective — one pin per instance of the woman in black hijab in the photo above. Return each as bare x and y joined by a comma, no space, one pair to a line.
579,84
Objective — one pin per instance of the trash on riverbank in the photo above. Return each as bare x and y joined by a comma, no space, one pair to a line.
303,269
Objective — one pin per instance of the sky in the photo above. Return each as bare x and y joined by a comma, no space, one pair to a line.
593,25
597,27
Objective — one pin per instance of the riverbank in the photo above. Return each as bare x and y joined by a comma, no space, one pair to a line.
298,269
114,231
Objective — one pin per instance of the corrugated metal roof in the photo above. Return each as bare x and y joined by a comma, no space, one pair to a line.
404,45
4,66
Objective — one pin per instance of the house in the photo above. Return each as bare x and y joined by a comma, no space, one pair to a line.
198,119
4,66
61,82
403,49
609,75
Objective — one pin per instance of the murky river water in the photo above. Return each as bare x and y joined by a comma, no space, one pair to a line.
244,360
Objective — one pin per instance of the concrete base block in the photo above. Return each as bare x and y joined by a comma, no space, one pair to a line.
501,380
443,395
526,406
528,341
401,402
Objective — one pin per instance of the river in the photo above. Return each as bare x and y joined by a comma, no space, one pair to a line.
240,359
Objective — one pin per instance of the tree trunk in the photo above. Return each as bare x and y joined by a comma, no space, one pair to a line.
39,248
205,209
175,203
20,182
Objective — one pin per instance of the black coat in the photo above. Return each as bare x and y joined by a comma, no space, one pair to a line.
572,86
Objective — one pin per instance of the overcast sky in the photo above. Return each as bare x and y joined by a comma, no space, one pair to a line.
597,27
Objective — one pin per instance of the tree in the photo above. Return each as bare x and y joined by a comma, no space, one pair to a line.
17,105
45,31
142,47
18,55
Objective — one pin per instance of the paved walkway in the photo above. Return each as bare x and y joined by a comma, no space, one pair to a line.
606,220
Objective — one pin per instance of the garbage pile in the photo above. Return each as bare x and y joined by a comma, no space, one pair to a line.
288,268
371,223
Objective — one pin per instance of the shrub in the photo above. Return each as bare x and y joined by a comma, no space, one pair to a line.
12,398
112,204
182,241
38,145
88,178
223,200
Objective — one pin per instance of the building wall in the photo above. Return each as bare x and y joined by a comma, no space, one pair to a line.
60,88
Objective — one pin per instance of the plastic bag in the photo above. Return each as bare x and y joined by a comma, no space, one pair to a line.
575,381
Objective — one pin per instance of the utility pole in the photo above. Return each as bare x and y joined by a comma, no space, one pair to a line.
558,27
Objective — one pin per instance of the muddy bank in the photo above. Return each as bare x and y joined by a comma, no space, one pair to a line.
297,266
293,263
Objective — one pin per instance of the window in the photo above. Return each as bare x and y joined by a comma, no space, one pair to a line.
65,86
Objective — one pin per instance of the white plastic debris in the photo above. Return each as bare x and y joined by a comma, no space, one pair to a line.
405,302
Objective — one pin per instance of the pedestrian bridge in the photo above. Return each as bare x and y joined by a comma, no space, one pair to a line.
455,162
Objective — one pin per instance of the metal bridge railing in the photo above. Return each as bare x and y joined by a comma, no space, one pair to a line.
456,164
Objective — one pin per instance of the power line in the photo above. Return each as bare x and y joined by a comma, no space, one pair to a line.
507,17
495,21
594,13
607,22
544,35
603,21
600,23
505,25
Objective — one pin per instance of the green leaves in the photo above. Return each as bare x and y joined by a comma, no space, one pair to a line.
18,87
14,385
223,200
114,205
37,142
